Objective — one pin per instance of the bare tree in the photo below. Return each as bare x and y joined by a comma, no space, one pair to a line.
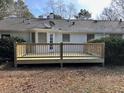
118,6
108,14
114,12
57,7
51,6
71,10
61,8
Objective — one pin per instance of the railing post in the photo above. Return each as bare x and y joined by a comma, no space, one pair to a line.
61,51
103,50
15,54
61,54
103,54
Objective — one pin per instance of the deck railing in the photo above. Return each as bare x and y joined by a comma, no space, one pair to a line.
95,49
21,50
58,50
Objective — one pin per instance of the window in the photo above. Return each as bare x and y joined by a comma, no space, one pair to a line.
42,37
90,37
66,37
5,36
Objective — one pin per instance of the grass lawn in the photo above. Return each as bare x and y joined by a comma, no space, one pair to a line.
66,80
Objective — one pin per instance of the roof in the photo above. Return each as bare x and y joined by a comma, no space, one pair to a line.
89,26
20,24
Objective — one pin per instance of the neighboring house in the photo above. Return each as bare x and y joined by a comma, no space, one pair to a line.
56,31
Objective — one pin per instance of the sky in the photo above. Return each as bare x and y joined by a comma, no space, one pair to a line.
94,6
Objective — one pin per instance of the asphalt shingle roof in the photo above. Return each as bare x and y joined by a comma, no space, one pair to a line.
89,26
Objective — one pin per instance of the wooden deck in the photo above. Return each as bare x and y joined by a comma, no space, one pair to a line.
44,59
26,57
56,56
49,55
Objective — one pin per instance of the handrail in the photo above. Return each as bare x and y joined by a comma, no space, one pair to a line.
57,43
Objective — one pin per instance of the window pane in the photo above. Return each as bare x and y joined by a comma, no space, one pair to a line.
66,37
42,37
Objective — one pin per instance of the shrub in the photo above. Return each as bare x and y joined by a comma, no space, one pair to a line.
114,50
7,47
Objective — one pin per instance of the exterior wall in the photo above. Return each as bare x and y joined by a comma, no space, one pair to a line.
99,36
22,35
78,38
58,37
74,38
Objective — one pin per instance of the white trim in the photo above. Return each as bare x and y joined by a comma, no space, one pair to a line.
36,37
62,31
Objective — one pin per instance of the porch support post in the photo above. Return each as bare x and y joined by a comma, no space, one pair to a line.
36,37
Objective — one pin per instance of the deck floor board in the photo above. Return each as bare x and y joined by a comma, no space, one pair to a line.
49,58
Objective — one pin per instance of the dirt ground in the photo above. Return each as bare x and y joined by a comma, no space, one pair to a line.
66,80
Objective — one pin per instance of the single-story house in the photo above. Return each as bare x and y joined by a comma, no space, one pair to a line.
56,31
43,36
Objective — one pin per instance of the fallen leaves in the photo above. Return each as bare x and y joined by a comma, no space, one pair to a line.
92,80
